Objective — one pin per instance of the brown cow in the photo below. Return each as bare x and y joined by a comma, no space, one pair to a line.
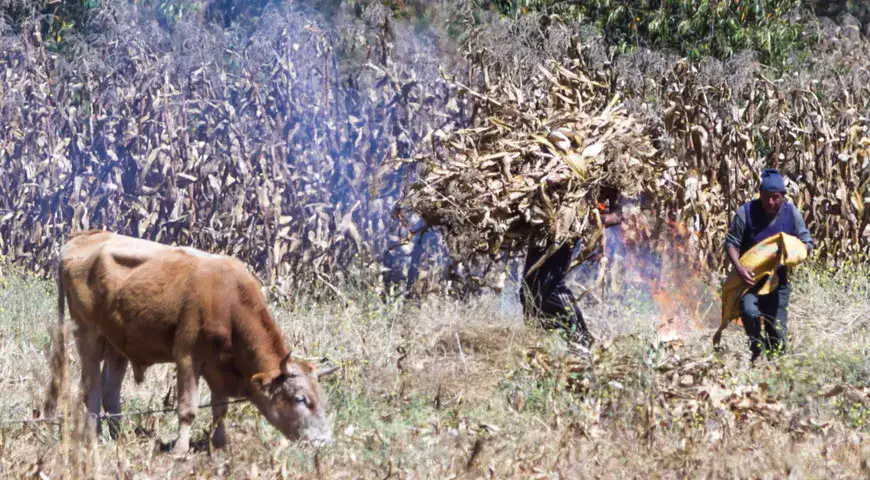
140,302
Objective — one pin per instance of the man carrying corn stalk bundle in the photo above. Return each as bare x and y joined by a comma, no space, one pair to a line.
754,222
545,295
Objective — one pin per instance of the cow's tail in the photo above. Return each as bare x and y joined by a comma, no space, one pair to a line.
58,351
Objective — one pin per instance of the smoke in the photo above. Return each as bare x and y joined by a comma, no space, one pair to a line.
281,135
651,274
661,270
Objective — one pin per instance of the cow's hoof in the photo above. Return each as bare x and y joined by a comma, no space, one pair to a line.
219,441
181,448
321,442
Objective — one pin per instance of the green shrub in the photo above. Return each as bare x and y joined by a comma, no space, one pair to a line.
694,28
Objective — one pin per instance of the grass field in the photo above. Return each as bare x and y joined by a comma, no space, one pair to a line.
466,390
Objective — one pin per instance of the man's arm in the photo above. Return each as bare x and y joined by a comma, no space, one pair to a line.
615,217
801,231
732,246
735,232
746,274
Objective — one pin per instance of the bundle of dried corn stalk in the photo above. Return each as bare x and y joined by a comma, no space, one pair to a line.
530,174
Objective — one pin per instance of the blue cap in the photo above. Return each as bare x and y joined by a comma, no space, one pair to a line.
772,181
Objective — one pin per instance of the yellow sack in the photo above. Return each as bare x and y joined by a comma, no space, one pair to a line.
763,260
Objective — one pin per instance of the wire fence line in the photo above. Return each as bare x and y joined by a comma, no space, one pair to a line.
57,419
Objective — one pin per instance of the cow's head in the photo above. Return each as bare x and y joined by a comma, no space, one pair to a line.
293,401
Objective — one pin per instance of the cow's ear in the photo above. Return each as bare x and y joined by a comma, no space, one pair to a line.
262,381
295,369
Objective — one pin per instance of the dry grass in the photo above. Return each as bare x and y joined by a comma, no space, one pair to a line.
448,389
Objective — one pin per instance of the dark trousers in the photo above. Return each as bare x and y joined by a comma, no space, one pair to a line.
557,310
771,311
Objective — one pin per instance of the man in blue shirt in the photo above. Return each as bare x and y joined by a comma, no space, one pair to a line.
754,222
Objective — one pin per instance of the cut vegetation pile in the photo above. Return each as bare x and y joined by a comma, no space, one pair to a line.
535,166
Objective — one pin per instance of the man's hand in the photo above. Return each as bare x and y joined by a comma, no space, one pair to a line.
612,219
747,275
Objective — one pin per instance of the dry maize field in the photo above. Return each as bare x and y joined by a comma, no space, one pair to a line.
316,156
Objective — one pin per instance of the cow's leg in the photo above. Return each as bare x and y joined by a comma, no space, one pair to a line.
219,410
90,350
113,376
187,397
219,405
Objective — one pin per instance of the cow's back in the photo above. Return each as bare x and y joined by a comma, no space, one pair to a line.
110,254
138,294
95,263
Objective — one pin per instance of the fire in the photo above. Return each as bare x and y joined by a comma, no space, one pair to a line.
679,310
667,263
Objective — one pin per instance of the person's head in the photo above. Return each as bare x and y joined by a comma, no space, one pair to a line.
772,191
610,195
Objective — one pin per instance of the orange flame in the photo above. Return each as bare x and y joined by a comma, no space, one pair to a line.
680,271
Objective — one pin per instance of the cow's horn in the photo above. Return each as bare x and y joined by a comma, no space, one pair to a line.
285,365
322,372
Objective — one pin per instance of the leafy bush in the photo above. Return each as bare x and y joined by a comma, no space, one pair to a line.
718,28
